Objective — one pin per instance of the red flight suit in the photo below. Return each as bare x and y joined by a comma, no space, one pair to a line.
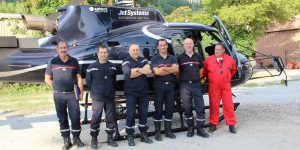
219,74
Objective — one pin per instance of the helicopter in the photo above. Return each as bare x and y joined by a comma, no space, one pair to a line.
86,27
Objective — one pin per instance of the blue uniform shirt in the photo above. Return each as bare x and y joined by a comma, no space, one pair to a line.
159,61
101,78
190,66
136,86
63,74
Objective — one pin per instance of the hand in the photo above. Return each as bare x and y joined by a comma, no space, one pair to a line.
137,69
81,96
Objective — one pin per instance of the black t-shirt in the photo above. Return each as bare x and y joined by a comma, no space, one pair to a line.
101,78
159,61
190,66
63,74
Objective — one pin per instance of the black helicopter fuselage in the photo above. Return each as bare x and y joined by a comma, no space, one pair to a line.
85,28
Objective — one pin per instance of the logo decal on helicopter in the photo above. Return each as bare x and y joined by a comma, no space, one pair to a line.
98,9
133,13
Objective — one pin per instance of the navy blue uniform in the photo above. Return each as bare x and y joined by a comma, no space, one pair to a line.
190,88
100,78
136,93
64,79
164,87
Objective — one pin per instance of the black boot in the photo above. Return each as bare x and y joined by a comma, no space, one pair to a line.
67,143
145,138
201,132
77,141
157,125
232,129
94,143
190,132
110,140
212,128
130,139
168,130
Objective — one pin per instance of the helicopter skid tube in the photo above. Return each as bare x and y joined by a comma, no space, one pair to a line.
120,116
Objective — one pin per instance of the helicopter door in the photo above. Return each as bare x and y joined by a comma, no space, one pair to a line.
218,24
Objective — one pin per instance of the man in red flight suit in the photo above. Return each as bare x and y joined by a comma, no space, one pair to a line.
219,69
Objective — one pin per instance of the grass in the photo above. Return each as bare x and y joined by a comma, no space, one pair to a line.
25,98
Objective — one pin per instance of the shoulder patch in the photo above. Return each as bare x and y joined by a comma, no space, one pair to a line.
125,62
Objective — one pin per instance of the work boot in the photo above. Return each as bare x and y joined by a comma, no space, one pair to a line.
157,125
168,130
232,129
67,143
212,128
130,139
94,143
201,132
77,141
110,140
190,132
145,138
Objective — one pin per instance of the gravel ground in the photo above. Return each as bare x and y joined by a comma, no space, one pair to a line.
268,118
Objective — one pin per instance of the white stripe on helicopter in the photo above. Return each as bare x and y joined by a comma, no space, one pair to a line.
16,72
148,33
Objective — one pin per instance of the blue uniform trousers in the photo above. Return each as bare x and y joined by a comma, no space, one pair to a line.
191,94
67,104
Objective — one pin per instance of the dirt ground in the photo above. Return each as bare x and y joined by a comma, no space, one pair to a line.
268,118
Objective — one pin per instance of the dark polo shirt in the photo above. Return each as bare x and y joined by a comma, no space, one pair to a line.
159,61
189,67
63,74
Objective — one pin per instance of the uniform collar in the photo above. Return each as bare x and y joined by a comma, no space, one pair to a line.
218,59
139,58
69,58
163,57
189,56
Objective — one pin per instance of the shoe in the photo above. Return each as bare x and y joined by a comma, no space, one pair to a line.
232,129
67,143
212,128
77,141
190,132
145,138
130,140
157,125
168,130
94,143
202,133
110,140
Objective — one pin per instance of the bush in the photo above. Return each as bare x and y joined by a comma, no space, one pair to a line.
20,89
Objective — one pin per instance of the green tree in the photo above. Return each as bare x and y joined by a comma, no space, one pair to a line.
167,6
181,14
248,19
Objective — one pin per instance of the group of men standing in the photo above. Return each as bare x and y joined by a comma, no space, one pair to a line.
63,73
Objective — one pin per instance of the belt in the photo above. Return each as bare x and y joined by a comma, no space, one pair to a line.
166,82
190,81
63,92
